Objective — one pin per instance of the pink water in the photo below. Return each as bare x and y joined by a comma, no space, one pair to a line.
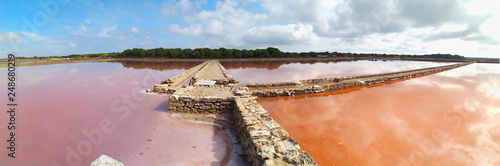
293,71
70,114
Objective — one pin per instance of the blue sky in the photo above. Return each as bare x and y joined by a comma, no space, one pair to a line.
63,27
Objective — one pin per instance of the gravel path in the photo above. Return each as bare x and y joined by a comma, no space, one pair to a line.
212,71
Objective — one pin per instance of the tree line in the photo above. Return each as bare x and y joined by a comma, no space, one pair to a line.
198,53
220,53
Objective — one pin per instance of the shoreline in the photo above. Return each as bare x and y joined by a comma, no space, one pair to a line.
30,62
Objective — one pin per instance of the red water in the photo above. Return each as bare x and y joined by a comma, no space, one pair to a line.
450,118
70,114
293,71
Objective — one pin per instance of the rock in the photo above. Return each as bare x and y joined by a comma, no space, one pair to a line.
105,160
241,93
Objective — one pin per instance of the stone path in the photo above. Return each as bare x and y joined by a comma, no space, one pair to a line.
212,71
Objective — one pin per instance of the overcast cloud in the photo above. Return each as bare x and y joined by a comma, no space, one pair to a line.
464,27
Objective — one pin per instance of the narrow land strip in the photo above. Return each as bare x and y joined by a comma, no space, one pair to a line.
212,71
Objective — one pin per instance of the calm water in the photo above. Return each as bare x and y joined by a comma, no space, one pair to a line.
450,118
253,72
70,114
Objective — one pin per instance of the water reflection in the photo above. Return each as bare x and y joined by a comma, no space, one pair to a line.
450,118
309,70
272,65
157,65
70,114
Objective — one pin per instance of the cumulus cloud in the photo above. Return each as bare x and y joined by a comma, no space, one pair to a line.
353,24
80,29
279,34
71,44
33,36
134,30
105,31
180,8
193,30
9,37
391,26
223,26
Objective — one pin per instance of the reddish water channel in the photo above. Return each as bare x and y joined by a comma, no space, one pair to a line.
450,118
70,114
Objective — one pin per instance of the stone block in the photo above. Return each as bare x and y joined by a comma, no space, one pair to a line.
209,99
186,98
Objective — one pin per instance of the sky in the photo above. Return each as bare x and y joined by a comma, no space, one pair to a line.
63,27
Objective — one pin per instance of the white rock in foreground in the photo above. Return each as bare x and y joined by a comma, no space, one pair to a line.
104,160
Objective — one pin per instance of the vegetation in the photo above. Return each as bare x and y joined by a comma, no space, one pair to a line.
207,53
270,52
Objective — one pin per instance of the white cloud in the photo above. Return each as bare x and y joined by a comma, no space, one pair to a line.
223,26
298,10
180,8
9,37
279,34
71,44
87,21
393,26
33,36
134,30
352,26
104,32
80,29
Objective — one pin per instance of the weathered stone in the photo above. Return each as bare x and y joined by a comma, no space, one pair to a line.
209,99
204,83
105,160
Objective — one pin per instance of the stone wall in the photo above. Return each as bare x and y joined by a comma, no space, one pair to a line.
263,139
179,78
197,76
183,101
273,84
224,81
200,105
229,78
164,88
304,89
170,85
